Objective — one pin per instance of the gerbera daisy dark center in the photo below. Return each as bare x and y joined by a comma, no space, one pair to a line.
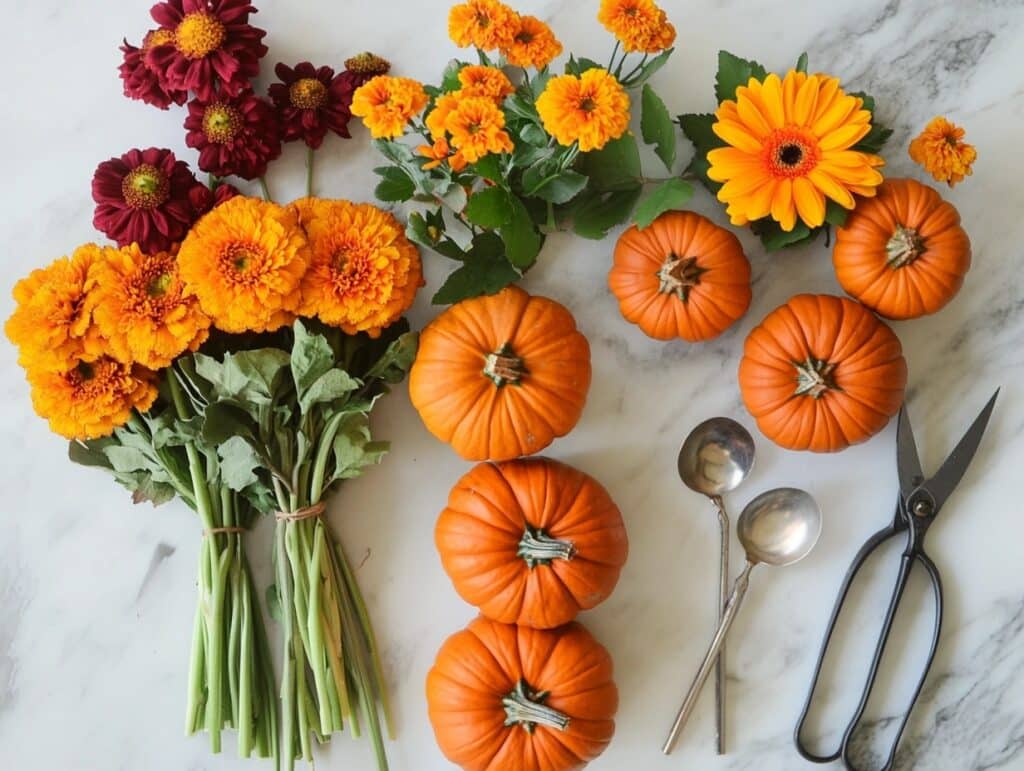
198,34
307,93
221,123
145,187
790,153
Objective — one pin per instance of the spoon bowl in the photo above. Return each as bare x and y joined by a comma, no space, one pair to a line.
779,527
716,456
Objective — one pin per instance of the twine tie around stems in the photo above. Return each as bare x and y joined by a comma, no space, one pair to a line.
307,512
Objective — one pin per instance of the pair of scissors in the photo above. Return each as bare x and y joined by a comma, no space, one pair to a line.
919,501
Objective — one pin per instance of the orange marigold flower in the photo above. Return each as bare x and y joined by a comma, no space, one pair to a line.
92,396
52,319
532,44
437,153
444,105
640,25
478,80
244,261
364,272
790,146
386,104
940,149
486,24
477,128
592,109
142,310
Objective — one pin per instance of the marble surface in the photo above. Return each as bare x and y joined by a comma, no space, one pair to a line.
96,597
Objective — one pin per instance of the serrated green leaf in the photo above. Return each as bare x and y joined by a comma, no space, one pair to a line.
520,236
249,376
615,167
238,463
734,72
479,276
395,185
604,211
670,194
801,63
490,207
656,126
311,358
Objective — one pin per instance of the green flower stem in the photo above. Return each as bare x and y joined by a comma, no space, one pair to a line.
264,189
611,62
289,718
310,152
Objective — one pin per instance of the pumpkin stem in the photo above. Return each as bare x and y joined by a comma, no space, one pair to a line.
678,275
538,548
905,246
503,366
814,377
526,707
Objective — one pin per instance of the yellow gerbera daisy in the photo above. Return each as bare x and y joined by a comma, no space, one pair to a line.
477,128
789,147
485,24
92,397
364,272
940,149
478,80
142,310
532,44
386,104
640,25
591,109
244,261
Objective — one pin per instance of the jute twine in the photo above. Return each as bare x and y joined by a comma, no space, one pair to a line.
305,513
219,530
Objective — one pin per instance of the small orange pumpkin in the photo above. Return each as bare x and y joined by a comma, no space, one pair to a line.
681,276
821,373
531,541
902,253
511,698
501,376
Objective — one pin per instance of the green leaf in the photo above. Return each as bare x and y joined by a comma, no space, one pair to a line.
431,235
238,462
127,458
578,66
454,196
248,376
774,237
649,69
332,385
533,134
224,420
397,359
615,167
490,207
670,194
353,448
801,63
489,167
522,106
480,276
520,236
734,72
558,188
604,211
450,78
656,126
273,600
835,214
311,358
395,185
90,453
697,128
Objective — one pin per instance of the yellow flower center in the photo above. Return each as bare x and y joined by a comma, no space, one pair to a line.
367,63
307,93
483,19
145,187
221,123
82,373
587,104
158,285
198,34
789,152
157,37
237,259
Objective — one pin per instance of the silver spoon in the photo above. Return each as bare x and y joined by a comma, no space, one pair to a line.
716,456
778,528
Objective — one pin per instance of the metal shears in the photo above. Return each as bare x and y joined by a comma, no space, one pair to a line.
919,501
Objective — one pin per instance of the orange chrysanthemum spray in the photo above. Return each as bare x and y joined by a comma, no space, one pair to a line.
940,148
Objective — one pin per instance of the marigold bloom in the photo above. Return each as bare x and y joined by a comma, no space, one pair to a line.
640,25
437,153
52,320
386,104
239,135
790,145
141,309
940,149
213,49
592,109
477,128
140,80
244,261
443,107
92,396
478,80
485,24
532,44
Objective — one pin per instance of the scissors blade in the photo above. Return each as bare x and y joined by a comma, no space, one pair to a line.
949,475
908,462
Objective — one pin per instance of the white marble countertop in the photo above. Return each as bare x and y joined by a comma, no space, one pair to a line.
96,597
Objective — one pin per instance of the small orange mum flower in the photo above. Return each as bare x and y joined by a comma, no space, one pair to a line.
485,24
244,261
142,310
477,128
639,25
444,105
478,80
532,44
592,109
386,104
91,397
437,153
940,149
364,272
52,320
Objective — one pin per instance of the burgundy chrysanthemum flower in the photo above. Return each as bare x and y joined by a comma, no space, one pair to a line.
140,81
214,48
311,101
203,199
237,135
146,197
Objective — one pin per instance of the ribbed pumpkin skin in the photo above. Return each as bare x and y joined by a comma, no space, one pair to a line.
870,373
461,405
720,296
478,536
925,284
477,667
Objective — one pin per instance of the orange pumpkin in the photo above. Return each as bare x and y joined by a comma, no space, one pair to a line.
902,253
681,276
511,698
501,376
821,373
531,541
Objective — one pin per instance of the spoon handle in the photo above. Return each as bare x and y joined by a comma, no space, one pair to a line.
723,599
739,589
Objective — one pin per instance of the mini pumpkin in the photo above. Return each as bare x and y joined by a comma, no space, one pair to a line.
681,276
902,253
513,698
501,376
531,541
821,373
